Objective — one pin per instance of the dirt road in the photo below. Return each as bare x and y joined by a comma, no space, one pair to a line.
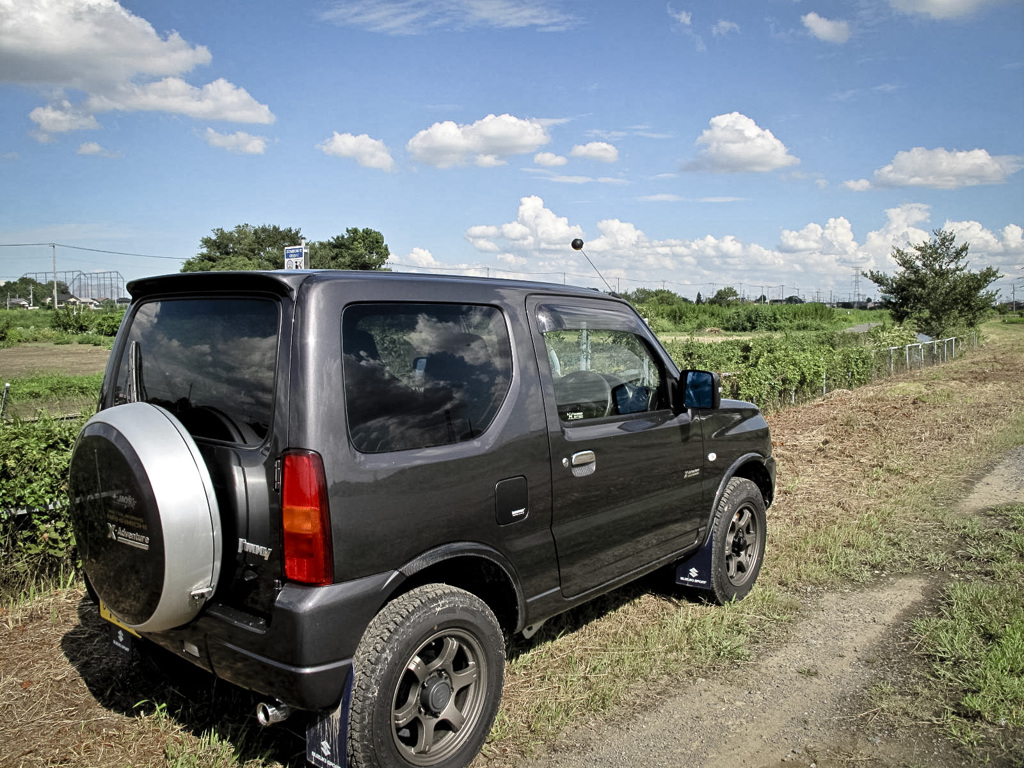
808,701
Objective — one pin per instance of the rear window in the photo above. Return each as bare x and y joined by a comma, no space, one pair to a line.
422,375
210,362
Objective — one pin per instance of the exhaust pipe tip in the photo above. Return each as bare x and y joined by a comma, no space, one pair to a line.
269,714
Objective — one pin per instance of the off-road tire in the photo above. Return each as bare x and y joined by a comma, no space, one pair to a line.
739,536
431,657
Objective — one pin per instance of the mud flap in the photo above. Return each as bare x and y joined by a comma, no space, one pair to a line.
695,571
327,734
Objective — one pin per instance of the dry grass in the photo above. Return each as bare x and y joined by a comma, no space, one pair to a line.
860,476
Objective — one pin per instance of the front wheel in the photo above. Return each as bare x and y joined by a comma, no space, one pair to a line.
739,535
428,678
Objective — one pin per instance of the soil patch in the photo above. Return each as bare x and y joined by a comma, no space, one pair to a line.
67,359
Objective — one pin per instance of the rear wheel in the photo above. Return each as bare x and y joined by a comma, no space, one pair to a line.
739,535
428,678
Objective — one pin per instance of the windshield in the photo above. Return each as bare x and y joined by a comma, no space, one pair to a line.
209,361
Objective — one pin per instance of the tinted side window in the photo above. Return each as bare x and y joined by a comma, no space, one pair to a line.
211,362
421,375
599,367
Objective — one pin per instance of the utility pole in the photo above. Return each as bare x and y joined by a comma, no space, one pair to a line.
53,250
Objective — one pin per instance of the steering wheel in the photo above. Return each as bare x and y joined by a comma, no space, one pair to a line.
585,392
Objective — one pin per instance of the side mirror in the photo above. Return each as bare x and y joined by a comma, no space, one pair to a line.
701,389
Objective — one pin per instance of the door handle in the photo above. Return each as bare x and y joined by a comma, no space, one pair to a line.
582,463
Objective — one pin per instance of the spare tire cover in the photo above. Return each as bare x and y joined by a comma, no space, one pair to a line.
145,516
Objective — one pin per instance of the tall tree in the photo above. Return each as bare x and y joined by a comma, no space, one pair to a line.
356,249
934,289
724,296
244,247
248,247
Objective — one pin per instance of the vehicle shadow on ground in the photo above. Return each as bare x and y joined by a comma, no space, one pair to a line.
158,693
660,583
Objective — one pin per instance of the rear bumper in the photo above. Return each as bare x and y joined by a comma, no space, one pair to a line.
302,655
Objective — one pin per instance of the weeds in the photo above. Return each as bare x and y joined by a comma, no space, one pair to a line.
976,643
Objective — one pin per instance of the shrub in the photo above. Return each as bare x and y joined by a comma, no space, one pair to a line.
108,323
71,320
34,459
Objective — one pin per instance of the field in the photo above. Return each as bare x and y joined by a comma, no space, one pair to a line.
868,532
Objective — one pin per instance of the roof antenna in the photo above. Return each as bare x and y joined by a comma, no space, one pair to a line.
577,245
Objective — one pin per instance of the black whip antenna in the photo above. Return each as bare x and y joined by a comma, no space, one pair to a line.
577,245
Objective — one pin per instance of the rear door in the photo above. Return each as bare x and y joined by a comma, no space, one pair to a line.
626,485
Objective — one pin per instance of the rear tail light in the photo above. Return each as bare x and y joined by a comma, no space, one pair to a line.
308,555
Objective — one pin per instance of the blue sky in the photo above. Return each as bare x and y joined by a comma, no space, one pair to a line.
775,146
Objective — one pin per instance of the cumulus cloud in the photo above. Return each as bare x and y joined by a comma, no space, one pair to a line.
412,17
116,59
421,257
92,149
943,9
942,169
240,142
549,159
826,30
596,150
736,144
835,238
369,153
814,260
487,142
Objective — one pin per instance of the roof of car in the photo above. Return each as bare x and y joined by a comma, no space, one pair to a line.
288,281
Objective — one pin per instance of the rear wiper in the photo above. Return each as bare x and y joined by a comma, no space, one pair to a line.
136,389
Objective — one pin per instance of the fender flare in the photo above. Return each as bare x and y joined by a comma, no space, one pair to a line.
730,473
456,550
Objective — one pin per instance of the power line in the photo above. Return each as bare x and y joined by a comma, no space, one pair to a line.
91,250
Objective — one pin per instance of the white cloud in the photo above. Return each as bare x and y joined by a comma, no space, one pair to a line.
240,141
411,17
815,261
723,28
536,231
942,169
661,198
92,149
487,142
115,58
219,100
683,17
834,239
943,9
685,21
549,159
596,150
61,117
369,153
826,30
857,185
423,258
736,144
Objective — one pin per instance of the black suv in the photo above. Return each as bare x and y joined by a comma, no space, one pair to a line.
342,490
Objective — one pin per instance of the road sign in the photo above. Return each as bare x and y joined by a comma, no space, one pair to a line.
296,257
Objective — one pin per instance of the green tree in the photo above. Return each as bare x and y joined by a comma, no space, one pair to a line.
29,289
249,247
243,248
356,249
724,296
934,289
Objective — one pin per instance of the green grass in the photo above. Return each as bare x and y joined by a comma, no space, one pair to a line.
976,643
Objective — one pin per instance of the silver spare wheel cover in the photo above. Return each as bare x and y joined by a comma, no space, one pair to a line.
145,516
